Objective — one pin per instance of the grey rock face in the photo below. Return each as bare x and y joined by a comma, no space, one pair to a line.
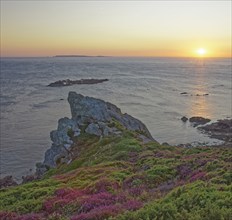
61,142
93,115
101,129
93,129
87,110
65,125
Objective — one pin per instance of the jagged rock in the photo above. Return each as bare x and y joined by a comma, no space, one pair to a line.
61,138
165,144
7,181
198,121
106,130
184,119
55,153
144,139
29,178
41,168
221,130
66,128
86,110
93,116
93,129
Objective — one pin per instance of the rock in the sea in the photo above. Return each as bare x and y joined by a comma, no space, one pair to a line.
68,82
7,181
198,121
89,115
221,130
184,119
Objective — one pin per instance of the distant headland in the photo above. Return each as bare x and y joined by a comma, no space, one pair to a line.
78,56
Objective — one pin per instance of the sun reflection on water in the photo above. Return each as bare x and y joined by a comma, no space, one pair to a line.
200,100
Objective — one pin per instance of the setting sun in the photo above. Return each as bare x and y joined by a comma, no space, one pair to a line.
201,51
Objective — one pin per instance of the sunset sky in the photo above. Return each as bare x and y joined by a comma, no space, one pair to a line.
116,28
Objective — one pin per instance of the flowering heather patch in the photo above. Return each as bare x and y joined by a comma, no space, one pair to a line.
86,204
105,184
15,216
135,191
106,211
102,212
8,215
184,170
197,175
132,205
97,200
62,198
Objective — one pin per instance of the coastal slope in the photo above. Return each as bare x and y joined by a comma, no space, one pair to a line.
104,164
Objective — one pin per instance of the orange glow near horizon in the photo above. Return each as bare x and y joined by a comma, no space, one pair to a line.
130,28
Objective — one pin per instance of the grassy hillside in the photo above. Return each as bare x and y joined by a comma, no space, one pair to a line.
120,177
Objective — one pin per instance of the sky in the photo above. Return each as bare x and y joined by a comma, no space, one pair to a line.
116,28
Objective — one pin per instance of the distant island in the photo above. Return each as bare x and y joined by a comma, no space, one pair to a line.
68,82
78,56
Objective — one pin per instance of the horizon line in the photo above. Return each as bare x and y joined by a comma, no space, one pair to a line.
109,56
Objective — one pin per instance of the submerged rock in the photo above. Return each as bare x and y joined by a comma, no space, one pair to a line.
92,116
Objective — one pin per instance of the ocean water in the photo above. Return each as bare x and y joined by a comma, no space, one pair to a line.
147,88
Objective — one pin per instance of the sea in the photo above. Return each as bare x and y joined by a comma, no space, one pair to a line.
146,88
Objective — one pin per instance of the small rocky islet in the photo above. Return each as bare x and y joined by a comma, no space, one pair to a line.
104,164
68,82
196,120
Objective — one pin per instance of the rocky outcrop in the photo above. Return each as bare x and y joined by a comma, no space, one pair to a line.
7,181
68,82
61,142
92,116
184,119
86,110
188,94
198,121
221,130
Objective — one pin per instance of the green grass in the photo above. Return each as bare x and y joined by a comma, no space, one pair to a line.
28,197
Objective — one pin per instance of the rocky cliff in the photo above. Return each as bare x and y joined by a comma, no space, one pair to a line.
92,116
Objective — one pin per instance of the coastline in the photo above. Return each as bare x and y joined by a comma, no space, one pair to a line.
221,130
104,164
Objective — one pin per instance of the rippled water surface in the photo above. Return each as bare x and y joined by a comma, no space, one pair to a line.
147,88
